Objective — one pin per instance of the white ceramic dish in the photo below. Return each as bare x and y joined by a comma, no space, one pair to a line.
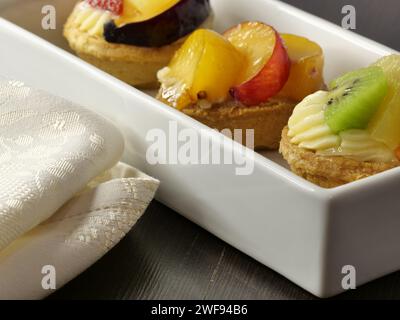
304,232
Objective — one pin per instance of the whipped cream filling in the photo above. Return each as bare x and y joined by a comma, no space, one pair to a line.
308,130
91,20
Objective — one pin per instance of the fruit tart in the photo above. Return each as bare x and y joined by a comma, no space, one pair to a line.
250,77
350,131
133,39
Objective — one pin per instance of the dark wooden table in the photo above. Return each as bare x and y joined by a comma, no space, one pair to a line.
166,256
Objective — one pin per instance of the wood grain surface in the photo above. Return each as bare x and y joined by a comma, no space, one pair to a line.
167,257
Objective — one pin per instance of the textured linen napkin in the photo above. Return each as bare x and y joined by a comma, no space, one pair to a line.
64,198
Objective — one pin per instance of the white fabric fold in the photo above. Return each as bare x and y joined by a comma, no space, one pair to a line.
75,237
63,202
49,150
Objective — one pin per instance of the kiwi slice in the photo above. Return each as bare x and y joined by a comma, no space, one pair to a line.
354,98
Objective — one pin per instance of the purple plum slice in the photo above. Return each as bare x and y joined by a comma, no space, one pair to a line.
171,25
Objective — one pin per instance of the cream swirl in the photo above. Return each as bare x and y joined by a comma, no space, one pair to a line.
307,127
359,145
91,20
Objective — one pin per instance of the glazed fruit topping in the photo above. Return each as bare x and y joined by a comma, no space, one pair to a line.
156,23
250,62
357,118
354,98
115,6
384,125
142,10
306,72
204,68
267,65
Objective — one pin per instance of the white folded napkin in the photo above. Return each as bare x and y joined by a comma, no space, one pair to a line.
54,212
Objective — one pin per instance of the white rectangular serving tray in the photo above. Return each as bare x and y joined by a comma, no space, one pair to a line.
306,233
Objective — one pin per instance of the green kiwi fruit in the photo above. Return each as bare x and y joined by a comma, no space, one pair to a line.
354,98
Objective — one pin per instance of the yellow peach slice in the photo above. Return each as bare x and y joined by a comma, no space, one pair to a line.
204,68
142,10
306,73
